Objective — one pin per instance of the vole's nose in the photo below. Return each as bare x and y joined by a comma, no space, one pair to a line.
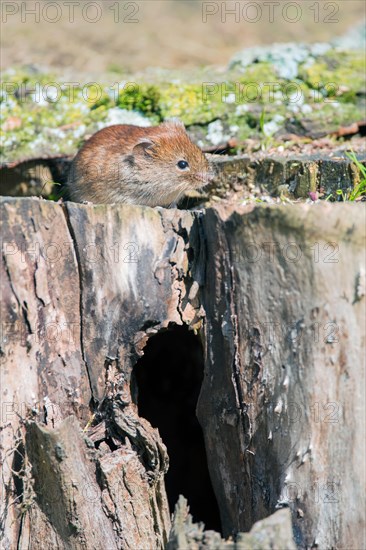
206,177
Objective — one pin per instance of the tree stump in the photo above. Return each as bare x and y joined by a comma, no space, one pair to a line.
267,301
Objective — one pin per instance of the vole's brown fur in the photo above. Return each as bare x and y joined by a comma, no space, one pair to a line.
130,164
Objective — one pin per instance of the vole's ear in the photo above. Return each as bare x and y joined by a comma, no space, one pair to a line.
173,123
143,147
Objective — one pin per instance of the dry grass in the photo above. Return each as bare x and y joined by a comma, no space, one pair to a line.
169,33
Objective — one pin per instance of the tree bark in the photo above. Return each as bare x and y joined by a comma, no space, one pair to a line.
283,400
278,296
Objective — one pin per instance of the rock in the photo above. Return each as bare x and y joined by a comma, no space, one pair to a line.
285,58
286,82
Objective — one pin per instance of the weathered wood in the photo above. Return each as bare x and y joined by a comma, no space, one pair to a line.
84,288
278,294
297,175
283,399
274,532
43,374
66,490
132,262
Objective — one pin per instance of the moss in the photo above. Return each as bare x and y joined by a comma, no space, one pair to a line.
140,97
338,73
40,115
57,123
258,83
245,131
192,103
336,114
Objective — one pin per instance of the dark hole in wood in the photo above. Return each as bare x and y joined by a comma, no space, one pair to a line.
18,470
169,378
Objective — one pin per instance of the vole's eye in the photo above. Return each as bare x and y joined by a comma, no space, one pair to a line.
182,164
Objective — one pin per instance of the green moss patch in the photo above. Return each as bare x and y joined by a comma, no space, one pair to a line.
43,115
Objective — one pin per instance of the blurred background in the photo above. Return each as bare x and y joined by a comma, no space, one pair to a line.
127,36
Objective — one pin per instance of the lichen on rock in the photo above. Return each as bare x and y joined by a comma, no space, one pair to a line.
43,114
